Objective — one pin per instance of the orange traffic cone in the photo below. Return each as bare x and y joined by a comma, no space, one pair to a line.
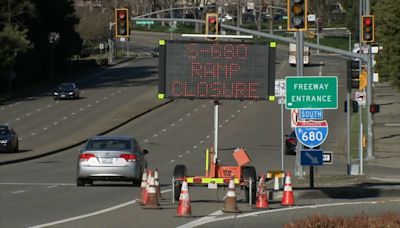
143,186
152,198
230,205
157,183
184,209
146,191
262,195
288,198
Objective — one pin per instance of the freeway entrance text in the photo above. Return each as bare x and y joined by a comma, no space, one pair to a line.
311,92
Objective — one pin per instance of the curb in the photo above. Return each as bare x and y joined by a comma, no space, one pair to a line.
351,192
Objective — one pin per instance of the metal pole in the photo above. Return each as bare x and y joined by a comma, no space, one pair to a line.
216,103
170,26
349,41
300,70
318,35
282,141
238,16
348,133
370,118
360,146
311,177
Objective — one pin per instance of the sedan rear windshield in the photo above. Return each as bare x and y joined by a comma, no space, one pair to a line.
108,144
4,131
66,86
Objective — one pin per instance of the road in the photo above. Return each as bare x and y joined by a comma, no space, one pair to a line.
43,190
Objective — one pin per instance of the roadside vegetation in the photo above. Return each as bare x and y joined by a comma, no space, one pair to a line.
362,220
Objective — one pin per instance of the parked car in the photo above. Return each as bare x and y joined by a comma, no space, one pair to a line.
8,139
291,143
66,91
156,52
111,158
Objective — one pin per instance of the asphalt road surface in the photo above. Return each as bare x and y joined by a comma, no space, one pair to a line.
43,190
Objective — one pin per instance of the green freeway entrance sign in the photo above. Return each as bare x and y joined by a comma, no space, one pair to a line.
145,22
312,92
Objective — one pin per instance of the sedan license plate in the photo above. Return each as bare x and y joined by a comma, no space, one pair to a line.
106,160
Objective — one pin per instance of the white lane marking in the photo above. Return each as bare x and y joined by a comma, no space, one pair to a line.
38,110
172,161
64,118
105,98
52,186
213,216
180,156
97,101
226,121
232,116
106,210
188,152
73,113
49,105
146,140
196,110
180,120
201,141
392,124
89,105
173,125
17,192
203,106
45,128
164,130
245,106
112,94
55,123
17,119
119,91
155,135
33,133
81,109
194,147
208,136
28,114
188,114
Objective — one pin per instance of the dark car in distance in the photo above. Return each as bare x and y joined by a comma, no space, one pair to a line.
291,143
66,91
8,139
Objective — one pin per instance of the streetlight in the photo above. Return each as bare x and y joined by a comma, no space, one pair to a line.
53,39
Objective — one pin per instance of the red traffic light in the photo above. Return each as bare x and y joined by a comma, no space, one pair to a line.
212,20
367,21
121,14
368,28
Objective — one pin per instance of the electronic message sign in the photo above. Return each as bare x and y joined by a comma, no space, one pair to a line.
217,70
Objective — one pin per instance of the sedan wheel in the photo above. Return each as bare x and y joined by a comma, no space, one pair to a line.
80,182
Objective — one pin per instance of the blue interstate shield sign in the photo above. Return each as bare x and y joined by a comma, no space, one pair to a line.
311,133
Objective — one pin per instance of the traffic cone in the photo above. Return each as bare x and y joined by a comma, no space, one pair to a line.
146,191
288,198
184,209
152,198
262,195
143,186
230,205
157,183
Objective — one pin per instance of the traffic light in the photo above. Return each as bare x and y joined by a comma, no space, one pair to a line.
212,25
374,108
121,22
353,74
368,27
297,15
354,105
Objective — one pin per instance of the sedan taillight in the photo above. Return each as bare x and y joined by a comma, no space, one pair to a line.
292,141
86,156
129,157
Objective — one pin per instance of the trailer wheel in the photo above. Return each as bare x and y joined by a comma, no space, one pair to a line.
179,172
250,172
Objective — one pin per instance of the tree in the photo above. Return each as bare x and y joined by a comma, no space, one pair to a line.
388,29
